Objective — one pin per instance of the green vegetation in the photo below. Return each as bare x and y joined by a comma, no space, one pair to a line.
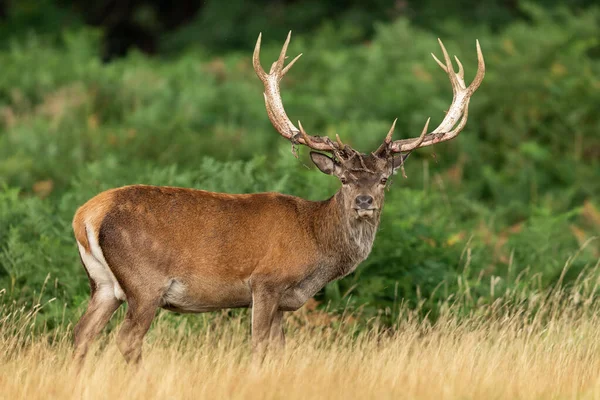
507,205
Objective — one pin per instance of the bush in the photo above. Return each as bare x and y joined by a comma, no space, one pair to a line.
506,205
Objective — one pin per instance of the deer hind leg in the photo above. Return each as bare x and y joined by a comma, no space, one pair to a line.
102,306
140,314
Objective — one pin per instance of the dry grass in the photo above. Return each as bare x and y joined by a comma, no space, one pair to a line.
532,346
526,344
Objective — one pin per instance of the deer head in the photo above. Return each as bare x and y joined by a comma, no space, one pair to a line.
364,176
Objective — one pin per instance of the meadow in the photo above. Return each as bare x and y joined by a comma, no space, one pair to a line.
523,346
483,279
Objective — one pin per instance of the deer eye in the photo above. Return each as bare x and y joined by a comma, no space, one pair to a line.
344,180
383,181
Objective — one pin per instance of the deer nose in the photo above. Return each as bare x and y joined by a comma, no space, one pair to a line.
364,201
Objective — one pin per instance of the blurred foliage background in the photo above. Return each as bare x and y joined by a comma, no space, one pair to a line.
94,96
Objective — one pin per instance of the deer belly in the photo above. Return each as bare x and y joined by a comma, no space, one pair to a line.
209,295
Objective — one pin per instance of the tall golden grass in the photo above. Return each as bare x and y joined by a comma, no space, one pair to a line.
523,345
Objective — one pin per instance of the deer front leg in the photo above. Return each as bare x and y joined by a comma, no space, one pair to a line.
265,309
277,335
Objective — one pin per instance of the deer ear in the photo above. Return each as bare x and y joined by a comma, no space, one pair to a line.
399,160
326,164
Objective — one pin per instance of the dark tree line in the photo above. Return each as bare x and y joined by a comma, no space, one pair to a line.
142,23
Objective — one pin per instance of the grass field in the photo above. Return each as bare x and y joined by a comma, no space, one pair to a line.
523,346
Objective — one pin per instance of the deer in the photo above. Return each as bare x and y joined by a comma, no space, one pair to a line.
192,251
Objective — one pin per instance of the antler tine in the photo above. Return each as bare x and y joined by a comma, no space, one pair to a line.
274,104
256,60
419,140
305,136
458,111
449,67
461,71
388,139
339,141
441,64
480,69
287,68
281,60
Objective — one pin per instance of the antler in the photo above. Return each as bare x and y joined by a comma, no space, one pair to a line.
274,105
459,108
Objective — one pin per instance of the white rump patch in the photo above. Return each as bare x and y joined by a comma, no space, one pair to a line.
98,269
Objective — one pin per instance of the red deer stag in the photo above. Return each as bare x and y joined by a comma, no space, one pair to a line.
194,251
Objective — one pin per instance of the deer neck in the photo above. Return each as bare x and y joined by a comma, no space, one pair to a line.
341,234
